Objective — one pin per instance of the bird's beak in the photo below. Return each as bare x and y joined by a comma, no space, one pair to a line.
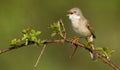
69,13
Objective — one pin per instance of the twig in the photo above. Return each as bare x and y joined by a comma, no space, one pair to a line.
39,57
63,29
74,52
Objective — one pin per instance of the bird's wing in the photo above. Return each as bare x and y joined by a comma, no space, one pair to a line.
91,29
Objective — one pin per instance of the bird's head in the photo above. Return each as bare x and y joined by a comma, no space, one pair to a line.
74,13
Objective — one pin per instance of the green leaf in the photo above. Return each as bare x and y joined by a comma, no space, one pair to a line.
37,33
56,29
105,51
108,51
15,42
53,34
29,34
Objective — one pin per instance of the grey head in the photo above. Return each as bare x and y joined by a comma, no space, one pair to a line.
75,11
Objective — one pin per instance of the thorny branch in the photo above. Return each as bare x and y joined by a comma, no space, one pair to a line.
62,40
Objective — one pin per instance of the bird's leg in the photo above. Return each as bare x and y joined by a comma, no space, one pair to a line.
74,52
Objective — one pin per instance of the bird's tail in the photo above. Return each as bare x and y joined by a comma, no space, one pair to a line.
92,53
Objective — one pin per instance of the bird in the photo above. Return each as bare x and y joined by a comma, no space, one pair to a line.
82,26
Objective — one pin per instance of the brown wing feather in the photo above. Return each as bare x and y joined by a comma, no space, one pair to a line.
91,29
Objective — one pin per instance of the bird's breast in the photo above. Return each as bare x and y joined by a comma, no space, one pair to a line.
80,28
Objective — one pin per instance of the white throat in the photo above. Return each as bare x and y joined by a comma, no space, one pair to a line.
74,17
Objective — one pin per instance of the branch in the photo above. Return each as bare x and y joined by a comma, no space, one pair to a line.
31,41
79,44
15,47
82,45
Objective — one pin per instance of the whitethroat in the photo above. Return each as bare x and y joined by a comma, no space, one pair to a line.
81,26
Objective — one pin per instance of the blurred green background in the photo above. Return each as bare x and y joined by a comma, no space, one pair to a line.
16,15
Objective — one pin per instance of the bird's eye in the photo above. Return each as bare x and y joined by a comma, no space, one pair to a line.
74,11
